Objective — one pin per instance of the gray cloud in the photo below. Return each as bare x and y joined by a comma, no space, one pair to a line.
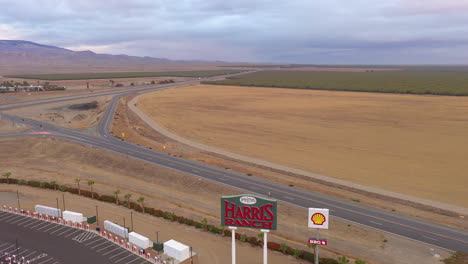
333,31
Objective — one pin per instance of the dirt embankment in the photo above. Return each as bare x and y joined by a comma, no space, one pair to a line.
48,159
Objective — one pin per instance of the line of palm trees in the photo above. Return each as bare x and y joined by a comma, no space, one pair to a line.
127,196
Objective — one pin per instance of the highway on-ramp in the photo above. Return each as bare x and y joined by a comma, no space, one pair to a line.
408,227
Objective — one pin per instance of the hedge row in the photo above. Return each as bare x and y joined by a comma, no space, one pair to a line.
285,249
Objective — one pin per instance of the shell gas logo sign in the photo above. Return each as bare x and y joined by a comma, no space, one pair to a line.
318,218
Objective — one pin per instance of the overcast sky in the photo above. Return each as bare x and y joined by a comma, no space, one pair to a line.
292,31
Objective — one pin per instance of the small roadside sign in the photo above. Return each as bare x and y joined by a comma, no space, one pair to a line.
321,242
123,134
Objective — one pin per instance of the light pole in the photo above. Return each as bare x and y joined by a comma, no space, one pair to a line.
58,206
17,196
63,199
131,219
97,217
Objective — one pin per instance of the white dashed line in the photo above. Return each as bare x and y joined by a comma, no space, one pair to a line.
377,223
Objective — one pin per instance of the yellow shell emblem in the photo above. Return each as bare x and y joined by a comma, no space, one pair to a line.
318,219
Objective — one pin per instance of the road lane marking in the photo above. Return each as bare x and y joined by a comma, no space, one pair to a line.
289,198
377,223
431,238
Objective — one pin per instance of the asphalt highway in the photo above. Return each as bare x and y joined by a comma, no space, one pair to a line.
411,228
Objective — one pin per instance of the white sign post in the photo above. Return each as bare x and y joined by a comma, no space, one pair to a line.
233,251
318,218
265,245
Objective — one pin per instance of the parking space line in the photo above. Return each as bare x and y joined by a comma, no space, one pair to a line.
112,251
59,229
10,216
7,248
48,225
64,232
130,255
138,258
51,228
78,230
45,261
92,242
100,244
105,247
3,245
30,254
125,251
19,217
25,221
38,221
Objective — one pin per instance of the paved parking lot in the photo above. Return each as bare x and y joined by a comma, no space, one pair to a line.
43,242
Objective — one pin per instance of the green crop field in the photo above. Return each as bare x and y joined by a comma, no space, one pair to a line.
437,82
115,75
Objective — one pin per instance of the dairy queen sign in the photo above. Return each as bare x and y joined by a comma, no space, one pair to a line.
248,211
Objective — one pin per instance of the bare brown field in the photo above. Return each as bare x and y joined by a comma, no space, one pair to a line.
410,144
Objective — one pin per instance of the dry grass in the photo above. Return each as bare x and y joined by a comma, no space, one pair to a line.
415,145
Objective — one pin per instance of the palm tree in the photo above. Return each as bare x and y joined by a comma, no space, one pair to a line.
127,197
7,176
90,184
54,183
141,200
77,180
116,193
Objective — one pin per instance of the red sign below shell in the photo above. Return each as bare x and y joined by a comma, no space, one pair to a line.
321,242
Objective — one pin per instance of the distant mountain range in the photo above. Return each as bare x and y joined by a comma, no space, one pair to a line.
22,49
20,56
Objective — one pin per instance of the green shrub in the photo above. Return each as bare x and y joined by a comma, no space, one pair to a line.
22,182
283,248
243,238
359,262
107,198
62,188
296,253
343,260
306,255
34,183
